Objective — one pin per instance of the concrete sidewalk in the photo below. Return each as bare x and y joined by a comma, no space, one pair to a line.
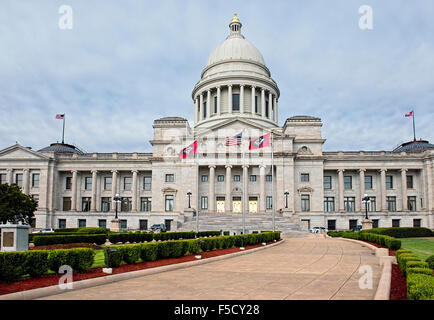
309,267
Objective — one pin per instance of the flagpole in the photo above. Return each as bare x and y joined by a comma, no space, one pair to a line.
63,132
414,129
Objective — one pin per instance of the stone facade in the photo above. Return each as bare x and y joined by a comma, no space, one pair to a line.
235,94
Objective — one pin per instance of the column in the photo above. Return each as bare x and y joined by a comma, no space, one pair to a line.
114,189
362,189
262,200
211,193
94,187
270,106
9,176
219,92
253,99
383,205
74,191
263,102
245,197
230,98
404,189
26,182
201,107
134,192
208,104
228,200
196,109
341,190
242,98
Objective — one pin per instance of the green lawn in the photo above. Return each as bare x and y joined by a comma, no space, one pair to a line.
98,261
422,247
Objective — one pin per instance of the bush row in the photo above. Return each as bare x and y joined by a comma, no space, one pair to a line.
44,240
123,237
401,232
88,230
390,242
420,279
132,253
14,265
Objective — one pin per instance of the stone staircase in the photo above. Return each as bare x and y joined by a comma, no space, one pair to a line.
234,223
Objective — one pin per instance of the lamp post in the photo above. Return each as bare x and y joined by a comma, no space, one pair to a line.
116,200
366,200
189,197
286,199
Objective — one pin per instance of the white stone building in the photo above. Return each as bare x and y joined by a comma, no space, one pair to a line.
235,94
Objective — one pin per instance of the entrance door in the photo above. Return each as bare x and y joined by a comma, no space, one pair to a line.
220,202
168,224
253,204
236,205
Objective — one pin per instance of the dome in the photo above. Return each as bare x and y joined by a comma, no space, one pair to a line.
414,146
61,148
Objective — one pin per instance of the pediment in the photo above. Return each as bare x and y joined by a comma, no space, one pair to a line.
18,152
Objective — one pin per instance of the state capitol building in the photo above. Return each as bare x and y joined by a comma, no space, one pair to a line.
289,178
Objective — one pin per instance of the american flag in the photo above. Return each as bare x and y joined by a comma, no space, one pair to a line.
234,141
60,116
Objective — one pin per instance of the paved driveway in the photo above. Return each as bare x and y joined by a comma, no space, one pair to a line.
303,267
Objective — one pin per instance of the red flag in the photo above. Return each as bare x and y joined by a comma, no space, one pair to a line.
409,114
191,149
263,141
60,116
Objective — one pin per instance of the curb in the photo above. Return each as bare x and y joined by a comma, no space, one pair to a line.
88,283
383,289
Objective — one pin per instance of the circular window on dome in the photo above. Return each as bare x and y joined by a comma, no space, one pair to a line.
220,145
303,149
170,150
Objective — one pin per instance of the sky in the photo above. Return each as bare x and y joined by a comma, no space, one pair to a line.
126,63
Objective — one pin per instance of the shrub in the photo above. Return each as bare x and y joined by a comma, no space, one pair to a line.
414,270
12,266
163,250
402,251
130,253
57,258
36,263
430,261
416,264
402,232
149,251
404,258
42,240
420,287
113,259
176,249
81,259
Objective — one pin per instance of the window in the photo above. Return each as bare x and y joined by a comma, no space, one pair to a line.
105,204
268,178
66,204
304,177
411,203
389,182
102,223
236,178
409,182
348,182
395,223
145,204
170,177
305,202
253,178
82,223
168,224
88,183
391,203
19,179
368,182
204,178
329,204
169,202
269,202
61,223
85,204
256,104
68,183
372,207
126,204
143,225
128,181
327,182
350,204
417,223
123,224
220,178
352,224
35,180
147,183
266,109
2,178
235,102
331,224
204,202
107,183
374,223
204,109
215,104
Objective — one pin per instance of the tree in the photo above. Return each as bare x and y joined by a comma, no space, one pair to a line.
15,206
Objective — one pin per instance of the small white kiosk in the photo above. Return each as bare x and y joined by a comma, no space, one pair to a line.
14,237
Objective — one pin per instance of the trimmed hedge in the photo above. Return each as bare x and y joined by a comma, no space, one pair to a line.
138,237
40,240
87,230
414,270
430,261
420,287
14,265
401,232
390,242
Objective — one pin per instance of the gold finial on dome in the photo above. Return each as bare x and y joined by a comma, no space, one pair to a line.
235,18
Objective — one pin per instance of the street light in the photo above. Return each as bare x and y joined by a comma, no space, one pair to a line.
116,200
366,200
189,197
286,199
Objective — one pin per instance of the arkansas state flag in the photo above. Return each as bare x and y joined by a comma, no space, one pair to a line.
191,149
409,114
263,141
